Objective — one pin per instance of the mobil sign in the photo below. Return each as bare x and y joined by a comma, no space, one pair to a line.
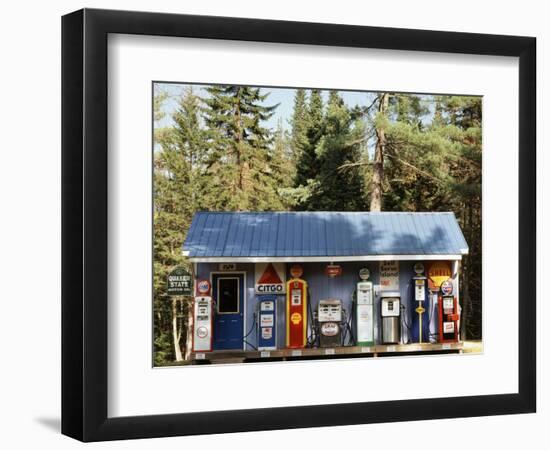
270,278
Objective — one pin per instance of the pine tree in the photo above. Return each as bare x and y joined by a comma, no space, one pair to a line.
437,167
464,128
176,194
338,187
299,125
415,166
281,165
427,157
308,167
158,101
238,166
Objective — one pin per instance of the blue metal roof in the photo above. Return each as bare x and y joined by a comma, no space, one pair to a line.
320,234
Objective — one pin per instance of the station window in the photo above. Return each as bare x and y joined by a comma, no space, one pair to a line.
228,295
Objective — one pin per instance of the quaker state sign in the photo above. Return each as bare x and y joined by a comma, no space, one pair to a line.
179,282
270,278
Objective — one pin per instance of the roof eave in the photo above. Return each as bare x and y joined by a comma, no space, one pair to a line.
292,259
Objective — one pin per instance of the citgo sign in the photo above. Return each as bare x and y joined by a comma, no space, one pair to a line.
270,278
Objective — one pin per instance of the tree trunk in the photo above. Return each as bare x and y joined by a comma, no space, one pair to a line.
190,316
465,313
378,166
466,277
175,330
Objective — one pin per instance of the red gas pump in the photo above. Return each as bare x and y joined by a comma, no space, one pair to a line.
296,313
448,313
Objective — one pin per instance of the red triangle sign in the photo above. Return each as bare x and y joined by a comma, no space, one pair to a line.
270,276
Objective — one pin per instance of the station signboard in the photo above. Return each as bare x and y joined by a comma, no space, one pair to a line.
270,278
179,282
438,272
389,275
333,270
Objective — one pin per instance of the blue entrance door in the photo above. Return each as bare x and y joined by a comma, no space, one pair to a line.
228,293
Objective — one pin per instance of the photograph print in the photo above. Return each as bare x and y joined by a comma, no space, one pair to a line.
307,223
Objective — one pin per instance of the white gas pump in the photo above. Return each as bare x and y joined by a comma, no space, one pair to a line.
202,325
390,310
329,316
364,314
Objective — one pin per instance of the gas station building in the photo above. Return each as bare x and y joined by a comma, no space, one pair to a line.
386,276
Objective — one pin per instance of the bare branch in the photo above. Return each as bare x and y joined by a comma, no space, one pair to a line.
426,174
372,104
350,165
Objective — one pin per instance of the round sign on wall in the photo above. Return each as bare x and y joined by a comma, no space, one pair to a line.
203,287
447,287
418,268
364,273
296,271
333,270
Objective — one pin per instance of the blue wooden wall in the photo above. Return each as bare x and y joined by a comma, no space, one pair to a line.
323,287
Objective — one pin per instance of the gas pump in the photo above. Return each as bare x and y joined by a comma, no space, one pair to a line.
364,314
296,313
267,322
448,313
390,310
202,324
329,316
420,324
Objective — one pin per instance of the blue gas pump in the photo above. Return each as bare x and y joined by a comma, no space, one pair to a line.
420,330
267,322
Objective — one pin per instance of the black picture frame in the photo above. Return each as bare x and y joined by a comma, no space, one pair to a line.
84,224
